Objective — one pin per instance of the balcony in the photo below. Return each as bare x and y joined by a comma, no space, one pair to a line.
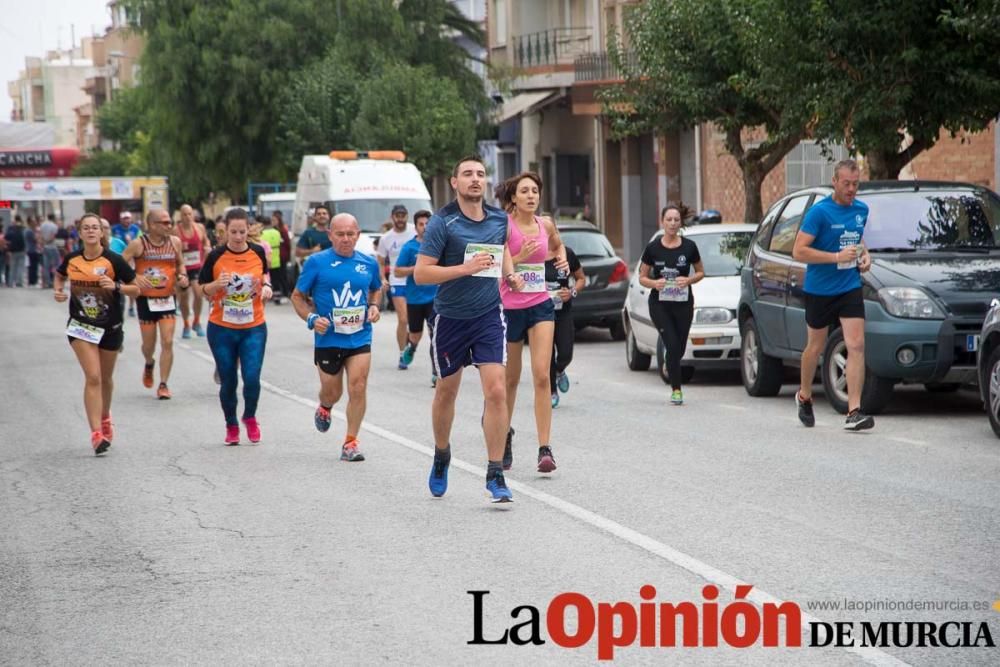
599,67
556,46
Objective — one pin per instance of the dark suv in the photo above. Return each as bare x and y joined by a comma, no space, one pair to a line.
935,250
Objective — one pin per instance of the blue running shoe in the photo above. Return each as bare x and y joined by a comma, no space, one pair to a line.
199,330
407,356
562,381
434,380
438,481
497,488
186,333
322,419
402,364
555,400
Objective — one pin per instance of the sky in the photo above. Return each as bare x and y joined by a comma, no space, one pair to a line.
32,27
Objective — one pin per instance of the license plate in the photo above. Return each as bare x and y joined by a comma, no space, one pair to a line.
972,343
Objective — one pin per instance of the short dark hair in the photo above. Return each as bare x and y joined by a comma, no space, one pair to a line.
422,213
237,214
680,208
472,157
324,207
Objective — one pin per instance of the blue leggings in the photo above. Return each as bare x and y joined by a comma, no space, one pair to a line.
243,348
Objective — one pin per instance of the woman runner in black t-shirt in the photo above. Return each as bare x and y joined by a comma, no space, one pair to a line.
562,294
670,265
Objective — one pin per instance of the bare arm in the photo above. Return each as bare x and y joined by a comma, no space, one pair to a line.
699,273
803,251
403,271
428,272
182,277
646,280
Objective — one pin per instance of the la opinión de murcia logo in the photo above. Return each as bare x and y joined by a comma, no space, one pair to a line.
708,624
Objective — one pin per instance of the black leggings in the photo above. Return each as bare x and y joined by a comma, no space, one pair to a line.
562,345
673,321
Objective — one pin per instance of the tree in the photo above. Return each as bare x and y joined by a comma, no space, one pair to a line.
103,163
724,62
417,111
896,73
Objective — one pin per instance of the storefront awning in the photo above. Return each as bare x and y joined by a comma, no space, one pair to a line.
525,102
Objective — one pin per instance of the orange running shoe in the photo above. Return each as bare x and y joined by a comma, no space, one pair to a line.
162,392
99,443
147,375
107,428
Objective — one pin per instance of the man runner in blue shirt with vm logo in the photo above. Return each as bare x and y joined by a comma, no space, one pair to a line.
829,242
337,296
463,250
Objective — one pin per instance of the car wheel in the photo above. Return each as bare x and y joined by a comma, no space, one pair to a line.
637,361
876,391
617,330
761,373
993,390
942,387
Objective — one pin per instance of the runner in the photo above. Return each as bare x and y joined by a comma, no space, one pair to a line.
159,267
530,313
235,277
337,295
462,251
315,238
563,286
419,298
671,303
112,243
194,241
830,243
97,278
271,237
389,246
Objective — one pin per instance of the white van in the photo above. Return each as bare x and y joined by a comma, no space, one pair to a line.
366,185
276,201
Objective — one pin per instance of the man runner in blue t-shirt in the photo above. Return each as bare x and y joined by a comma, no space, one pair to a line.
419,298
464,251
337,296
829,242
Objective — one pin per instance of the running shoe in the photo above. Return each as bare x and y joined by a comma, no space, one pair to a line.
99,443
434,380
186,333
496,487
322,419
407,356
438,481
562,381
147,375
253,429
858,421
805,406
546,462
107,428
163,392
232,434
131,311
508,453
350,452
555,400
402,364
677,397
198,329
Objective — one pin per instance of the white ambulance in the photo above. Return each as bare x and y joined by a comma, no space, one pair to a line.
365,184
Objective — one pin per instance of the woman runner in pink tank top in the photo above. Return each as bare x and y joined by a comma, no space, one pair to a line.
530,313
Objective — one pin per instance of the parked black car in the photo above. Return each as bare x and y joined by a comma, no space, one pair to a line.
935,250
600,304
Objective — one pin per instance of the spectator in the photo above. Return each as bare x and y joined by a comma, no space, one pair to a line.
50,251
16,248
3,257
34,248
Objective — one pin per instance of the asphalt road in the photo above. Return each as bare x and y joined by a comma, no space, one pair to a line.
174,549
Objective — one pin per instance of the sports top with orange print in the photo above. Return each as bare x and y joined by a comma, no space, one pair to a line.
158,264
90,303
238,306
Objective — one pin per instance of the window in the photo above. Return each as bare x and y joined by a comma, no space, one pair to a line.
586,243
932,219
806,166
499,21
788,225
722,254
763,238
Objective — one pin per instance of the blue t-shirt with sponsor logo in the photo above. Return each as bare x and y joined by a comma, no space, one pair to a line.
445,239
339,289
835,226
415,294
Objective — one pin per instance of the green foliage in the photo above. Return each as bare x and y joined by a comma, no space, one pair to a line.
415,110
123,116
103,163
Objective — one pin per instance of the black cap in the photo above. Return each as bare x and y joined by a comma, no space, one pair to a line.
399,208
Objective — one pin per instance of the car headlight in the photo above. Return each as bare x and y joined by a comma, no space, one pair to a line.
712,315
910,302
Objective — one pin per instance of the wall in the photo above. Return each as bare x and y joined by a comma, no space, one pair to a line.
722,187
967,157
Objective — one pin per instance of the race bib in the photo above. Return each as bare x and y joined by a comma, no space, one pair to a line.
163,304
672,291
192,257
848,239
85,332
237,312
557,301
495,250
533,276
348,320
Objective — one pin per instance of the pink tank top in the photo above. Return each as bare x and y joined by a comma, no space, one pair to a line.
526,298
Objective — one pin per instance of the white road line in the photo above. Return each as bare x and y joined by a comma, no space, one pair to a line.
908,441
730,406
872,656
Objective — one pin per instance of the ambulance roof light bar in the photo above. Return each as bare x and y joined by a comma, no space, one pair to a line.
398,156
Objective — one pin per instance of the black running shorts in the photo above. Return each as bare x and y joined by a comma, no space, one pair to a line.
823,311
331,360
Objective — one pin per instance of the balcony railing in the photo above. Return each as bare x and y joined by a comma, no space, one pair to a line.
600,67
556,46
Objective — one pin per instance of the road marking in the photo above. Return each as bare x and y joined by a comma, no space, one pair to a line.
733,407
908,441
872,656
